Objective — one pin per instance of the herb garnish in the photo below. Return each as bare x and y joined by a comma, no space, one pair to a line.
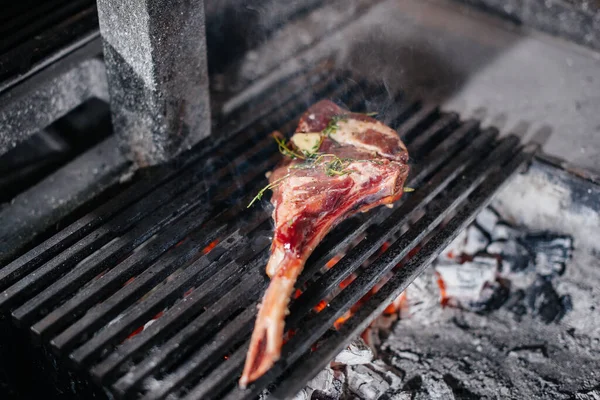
335,167
332,126
285,150
271,185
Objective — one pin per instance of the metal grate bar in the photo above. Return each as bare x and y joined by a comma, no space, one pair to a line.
195,332
306,369
271,114
359,254
341,238
94,346
122,246
162,286
422,118
199,270
314,326
122,321
439,129
199,363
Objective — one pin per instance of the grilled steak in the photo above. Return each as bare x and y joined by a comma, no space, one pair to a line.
338,163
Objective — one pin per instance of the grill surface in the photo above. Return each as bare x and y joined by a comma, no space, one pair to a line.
180,248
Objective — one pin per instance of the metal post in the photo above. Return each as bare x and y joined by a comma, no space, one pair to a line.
155,53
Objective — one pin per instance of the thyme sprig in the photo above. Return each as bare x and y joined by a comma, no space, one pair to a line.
335,167
332,127
285,150
271,185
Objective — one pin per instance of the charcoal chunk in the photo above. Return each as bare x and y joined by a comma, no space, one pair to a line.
516,304
487,219
544,302
493,296
459,389
504,231
551,251
515,257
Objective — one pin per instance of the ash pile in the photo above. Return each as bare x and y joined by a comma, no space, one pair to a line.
504,312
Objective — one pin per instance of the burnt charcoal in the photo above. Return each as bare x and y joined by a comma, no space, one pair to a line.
504,231
319,395
591,394
356,353
366,383
494,295
545,303
434,388
535,349
460,322
515,257
516,304
487,219
458,388
567,305
413,384
476,240
551,251
465,282
469,242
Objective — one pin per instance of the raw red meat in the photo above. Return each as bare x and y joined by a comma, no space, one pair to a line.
354,164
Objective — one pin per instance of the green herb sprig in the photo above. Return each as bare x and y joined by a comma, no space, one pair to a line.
335,167
285,150
271,185
332,127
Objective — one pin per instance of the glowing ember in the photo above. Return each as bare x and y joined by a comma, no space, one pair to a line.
442,285
401,303
347,281
210,246
321,306
141,328
340,321
288,335
138,330
333,261
129,281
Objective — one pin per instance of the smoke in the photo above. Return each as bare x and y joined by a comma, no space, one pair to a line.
235,27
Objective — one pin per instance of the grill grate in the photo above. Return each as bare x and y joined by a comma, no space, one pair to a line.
179,253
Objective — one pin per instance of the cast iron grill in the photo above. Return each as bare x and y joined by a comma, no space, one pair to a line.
33,30
179,254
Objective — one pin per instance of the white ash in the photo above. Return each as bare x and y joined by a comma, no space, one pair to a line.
468,281
353,374
511,328
327,384
356,353
487,219
366,383
526,335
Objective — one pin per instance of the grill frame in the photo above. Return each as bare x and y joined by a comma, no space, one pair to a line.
26,295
